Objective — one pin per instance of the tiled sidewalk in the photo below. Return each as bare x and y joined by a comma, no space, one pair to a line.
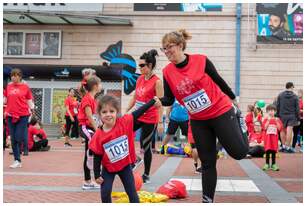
56,176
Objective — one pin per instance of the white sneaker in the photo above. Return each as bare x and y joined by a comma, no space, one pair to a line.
90,186
15,164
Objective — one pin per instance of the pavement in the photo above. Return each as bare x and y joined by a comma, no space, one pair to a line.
56,176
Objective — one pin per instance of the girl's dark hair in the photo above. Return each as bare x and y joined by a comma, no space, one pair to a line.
91,82
251,107
107,100
33,120
271,107
71,89
17,72
149,57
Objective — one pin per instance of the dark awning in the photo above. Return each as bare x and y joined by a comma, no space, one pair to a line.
30,17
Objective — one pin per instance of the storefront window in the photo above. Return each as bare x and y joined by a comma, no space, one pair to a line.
32,43
51,43
14,43
36,44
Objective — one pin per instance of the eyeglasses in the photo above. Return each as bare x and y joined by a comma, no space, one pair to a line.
167,48
142,65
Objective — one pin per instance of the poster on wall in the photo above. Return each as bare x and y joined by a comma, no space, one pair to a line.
58,107
280,23
185,7
32,43
51,43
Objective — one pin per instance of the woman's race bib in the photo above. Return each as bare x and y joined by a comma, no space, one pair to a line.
197,101
75,110
117,149
272,129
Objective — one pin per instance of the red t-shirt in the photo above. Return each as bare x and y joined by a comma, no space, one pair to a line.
33,131
271,133
115,146
17,95
87,101
145,91
256,137
249,122
72,104
190,136
194,88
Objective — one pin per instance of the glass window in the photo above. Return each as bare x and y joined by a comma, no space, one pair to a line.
32,43
51,44
14,43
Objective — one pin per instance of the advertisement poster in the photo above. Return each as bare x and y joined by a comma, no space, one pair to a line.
51,43
58,107
190,7
32,44
280,23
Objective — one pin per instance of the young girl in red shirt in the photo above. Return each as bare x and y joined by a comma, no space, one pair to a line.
88,125
272,126
113,147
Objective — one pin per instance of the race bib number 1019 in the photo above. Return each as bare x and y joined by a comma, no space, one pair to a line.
197,101
117,149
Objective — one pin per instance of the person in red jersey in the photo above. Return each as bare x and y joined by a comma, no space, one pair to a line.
249,119
19,100
113,145
148,85
88,123
194,153
82,88
71,105
193,80
272,126
37,137
256,141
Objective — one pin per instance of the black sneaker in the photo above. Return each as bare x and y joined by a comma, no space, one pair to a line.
137,163
44,149
198,170
145,179
25,153
67,144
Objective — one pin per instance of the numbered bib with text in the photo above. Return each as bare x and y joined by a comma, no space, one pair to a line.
117,149
197,101
272,129
75,110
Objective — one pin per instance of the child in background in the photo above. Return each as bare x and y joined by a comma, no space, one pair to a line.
256,141
113,147
88,126
249,119
37,137
198,170
272,126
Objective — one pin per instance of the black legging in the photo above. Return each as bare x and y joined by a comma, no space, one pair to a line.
268,152
86,133
205,133
296,130
75,128
147,132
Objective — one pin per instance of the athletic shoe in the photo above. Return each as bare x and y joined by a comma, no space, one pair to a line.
198,170
90,186
44,149
265,167
289,150
67,144
15,164
162,149
145,179
25,153
137,163
248,156
274,167
282,149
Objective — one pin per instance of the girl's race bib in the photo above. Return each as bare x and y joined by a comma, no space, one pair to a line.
117,149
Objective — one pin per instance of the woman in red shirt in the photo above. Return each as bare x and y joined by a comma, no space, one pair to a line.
37,137
71,105
148,85
19,100
195,83
88,123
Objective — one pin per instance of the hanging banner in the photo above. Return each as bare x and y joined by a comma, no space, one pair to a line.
280,23
190,7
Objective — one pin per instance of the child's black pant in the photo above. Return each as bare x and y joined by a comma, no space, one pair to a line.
268,152
127,179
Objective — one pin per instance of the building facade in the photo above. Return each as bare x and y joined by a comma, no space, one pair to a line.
263,69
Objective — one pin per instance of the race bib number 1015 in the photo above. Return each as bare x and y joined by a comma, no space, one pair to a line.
197,101
117,149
